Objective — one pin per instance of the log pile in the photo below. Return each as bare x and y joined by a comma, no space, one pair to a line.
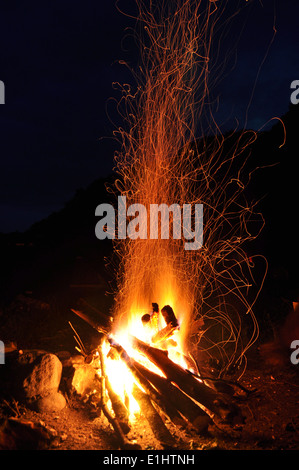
177,395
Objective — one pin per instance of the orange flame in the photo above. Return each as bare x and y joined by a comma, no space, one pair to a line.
161,162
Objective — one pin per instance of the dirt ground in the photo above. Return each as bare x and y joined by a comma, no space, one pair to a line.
270,410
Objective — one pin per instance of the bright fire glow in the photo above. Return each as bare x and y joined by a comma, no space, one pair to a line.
120,377
160,162
121,381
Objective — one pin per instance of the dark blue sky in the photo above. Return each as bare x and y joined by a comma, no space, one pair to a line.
58,60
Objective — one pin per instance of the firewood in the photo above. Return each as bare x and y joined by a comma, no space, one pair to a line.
164,405
171,325
163,334
204,395
90,321
169,316
92,310
125,443
195,415
161,432
119,408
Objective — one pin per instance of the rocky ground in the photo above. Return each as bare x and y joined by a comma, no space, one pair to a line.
270,410
72,419
272,422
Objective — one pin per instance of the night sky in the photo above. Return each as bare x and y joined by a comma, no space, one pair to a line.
58,60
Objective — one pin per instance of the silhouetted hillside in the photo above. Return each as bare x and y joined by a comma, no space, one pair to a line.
59,253
278,185
62,250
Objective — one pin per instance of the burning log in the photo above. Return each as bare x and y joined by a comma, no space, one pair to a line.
163,404
204,395
195,415
169,316
125,443
171,325
164,334
119,408
153,319
180,395
155,421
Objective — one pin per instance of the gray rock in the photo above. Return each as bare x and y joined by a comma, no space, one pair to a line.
31,375
43,377
51,403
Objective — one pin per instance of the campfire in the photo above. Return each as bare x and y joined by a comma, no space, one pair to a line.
150,375
165,293
144,363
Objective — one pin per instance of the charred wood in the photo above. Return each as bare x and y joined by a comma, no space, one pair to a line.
164,334
100,329
124,442
164,404
118,407
169,316
204,395
195,415
155,421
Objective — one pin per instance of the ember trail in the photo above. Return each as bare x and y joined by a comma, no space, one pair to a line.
174,306
164,158
163,370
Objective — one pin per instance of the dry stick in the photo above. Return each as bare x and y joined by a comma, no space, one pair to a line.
195,415
124,441
227,384
90,321
120,410
204,395
79,341
92,310
98,312
153,418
